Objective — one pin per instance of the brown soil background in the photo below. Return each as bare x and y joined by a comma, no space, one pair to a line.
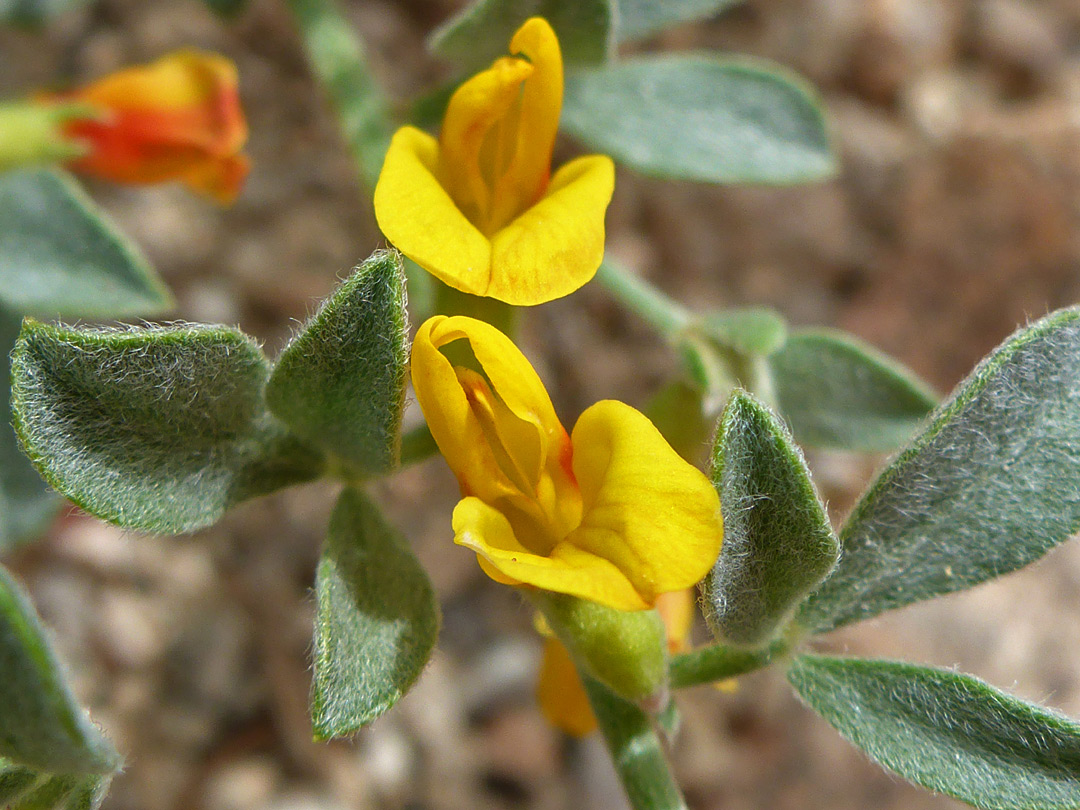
956,216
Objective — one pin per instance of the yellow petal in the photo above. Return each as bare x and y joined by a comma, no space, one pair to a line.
417,215
560,692
655,517
475,119
676,609
555,246
568,569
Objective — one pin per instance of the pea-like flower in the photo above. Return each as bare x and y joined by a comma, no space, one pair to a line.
478,208
178,118
610,513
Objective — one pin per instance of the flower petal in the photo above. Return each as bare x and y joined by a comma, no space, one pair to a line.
650,513
418,216
561,694
568,569
556,246
676,609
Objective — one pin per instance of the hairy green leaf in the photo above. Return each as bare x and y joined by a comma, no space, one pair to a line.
482,31
635,749
161,429
948,732
60,256
26,502
838,392
749,331
377,619
26,789
340,383
778,544
41,727
701,117
988,487
642,18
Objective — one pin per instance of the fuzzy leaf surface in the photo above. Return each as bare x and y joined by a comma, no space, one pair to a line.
749,331
377,619
23,788
701,117
948,732
41,726
778,544
340,383
161,429
988,487
26,501
841,393
642,18
59,255
479,33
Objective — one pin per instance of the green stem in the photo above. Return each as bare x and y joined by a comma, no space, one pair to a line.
667,315
636,750
717,662
417,445
337,57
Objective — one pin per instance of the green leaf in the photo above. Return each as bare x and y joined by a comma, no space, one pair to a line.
161,429
643,18
377,619
635,749
778,544
948,732
987,488
27,503
340,383
749,331
60,256
337,57
481,32
41,727
227,8
26,789
838,392
34,12
701,117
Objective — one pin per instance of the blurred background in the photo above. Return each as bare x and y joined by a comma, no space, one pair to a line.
955,217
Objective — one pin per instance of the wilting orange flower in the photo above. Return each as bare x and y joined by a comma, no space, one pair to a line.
611,513
559,689
178,118
478,208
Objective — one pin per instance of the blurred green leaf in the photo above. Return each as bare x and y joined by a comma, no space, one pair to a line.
161,429
717,662
34,12
840,393
60,256
643,18
226,8
778,544
340,383
988,487
701,117
377,619
41,727
26,501
635,749
338,60
26,789
750,331
948,732
481,32
677,411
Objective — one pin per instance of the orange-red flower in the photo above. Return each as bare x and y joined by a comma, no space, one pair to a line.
178,118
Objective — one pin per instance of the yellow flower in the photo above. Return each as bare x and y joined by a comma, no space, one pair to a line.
610,514
559,689
178,118
478,208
